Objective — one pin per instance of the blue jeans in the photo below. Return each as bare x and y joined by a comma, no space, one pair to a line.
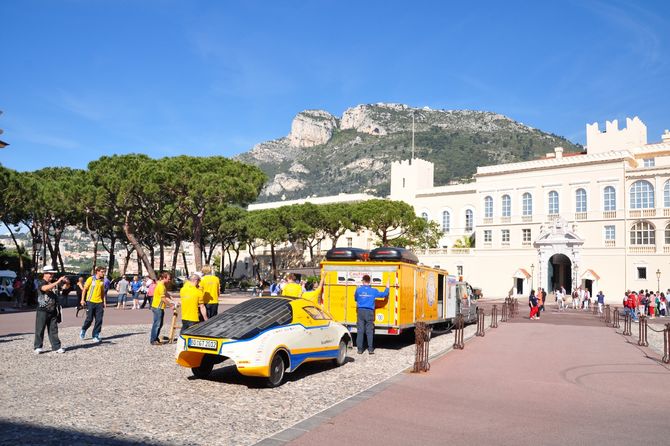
365,326
94,311
157,324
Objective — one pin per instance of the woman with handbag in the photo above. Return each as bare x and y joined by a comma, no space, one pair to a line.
48,313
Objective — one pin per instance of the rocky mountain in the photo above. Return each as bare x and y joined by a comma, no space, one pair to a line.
324,155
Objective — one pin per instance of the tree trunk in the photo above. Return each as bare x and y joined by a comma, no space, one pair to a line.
126,261
139,266
95,255
112,256
274,263
183,257
197,238
175,257
138,248
161,255
152,253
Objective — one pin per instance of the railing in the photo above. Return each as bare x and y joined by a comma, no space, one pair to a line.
460,250
504,243
638,213
666,249
505,219
458,333
666,212
609,214
422,342
552,217
526,244
649,249
580,216
610,243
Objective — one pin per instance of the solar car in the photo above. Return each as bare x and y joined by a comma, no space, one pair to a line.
264,337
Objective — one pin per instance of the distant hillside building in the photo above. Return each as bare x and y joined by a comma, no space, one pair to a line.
600,219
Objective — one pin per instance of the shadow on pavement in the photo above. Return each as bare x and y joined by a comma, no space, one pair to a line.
105,340
24,433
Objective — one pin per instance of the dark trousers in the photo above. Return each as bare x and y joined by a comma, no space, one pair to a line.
212,310
146,298
365,327
94,311
187,324
46,319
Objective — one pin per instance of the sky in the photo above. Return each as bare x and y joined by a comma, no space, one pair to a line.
81,79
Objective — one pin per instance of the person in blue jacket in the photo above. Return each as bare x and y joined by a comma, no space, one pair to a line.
365,311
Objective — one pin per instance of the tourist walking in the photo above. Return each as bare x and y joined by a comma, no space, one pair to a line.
192,304
366,297
559,298
122,289
94,297
135,287
533,304
575,299
663,305
149,286
211,288
48,310
160,300
601,301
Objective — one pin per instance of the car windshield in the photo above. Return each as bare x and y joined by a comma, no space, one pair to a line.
246,320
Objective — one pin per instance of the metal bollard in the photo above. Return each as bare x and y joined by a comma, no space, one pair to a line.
607,314
422,342
480,322
515,307
504,317
666,344
595,309
617,317
627,321
458,334
494,316
642,338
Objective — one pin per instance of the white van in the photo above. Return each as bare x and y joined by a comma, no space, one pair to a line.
7,279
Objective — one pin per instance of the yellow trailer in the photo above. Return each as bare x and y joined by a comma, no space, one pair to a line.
417,292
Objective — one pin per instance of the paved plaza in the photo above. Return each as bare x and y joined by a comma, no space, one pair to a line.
565,379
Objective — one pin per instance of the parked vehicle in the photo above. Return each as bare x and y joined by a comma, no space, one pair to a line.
265,337
7,279
417,292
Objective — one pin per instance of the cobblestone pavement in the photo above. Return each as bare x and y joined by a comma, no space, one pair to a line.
125,391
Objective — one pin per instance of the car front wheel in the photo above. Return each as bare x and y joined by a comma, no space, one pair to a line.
277,370
341,353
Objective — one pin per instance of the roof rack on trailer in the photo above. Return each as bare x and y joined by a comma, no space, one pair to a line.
347,254
393,254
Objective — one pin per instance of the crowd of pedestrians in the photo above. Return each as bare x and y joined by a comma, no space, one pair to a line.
647,303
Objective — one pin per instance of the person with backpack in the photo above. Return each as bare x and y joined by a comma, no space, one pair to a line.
94,297
148,286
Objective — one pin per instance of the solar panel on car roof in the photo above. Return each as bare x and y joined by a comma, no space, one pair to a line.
246,319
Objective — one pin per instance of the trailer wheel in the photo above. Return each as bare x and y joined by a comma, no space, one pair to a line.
341,353
204,369
277,370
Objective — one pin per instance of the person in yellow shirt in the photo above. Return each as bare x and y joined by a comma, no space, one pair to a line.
96,295
314,295
291,289
160,300
211,288
192,306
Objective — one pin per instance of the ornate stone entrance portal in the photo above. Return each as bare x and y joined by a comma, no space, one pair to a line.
559,252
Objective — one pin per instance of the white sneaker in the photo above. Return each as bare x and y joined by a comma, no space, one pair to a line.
60,350
38,351
97,339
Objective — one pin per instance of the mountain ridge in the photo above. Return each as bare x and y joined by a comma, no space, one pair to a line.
327,155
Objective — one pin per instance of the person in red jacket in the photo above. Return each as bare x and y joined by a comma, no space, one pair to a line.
631,304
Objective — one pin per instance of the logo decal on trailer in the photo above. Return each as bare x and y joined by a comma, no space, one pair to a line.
380,317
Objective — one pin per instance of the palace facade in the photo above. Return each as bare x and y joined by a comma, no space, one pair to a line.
598,219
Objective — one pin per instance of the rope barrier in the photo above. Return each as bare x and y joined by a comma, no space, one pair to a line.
494,316
642,332
480,322
422,342
458,334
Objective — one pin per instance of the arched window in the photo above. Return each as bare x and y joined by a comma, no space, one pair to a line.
469,220
424,215
446,222
553,202
642,233
488,207
506,206
666,194
609,197
641,195
580,200
527,204
667,235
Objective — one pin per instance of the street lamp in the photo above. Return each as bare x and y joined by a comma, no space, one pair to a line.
576,284
658,280
532,275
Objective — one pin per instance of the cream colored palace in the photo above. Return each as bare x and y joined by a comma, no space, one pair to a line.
599,219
